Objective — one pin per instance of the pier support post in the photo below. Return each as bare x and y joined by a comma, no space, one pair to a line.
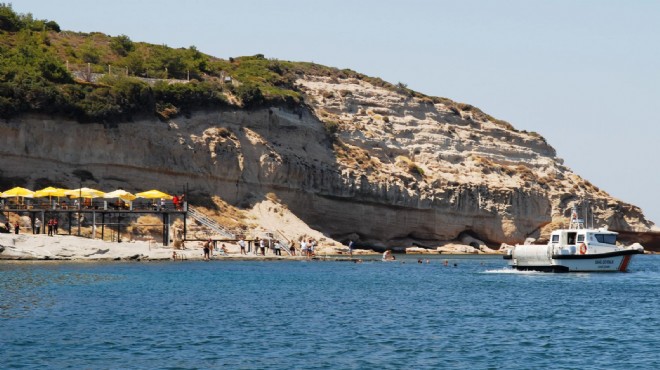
166,229
185,216
118,227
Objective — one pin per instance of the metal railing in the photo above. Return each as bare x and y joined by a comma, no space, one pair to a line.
202,219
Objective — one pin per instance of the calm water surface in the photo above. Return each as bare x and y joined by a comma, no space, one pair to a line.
327,315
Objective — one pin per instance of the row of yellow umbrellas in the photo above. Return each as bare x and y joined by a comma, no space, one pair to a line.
83,193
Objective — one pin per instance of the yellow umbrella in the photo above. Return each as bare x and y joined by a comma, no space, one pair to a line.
121,194
84,193
18,192
50,192
153,194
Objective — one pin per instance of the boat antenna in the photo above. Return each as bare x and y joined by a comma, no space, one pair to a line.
586,212
575,223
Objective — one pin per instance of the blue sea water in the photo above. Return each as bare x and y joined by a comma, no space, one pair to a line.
327,315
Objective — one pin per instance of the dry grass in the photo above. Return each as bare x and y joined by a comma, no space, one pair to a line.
350,156
273,197
408,164
146,227
223,213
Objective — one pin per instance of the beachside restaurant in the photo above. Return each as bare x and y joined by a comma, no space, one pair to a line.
51,198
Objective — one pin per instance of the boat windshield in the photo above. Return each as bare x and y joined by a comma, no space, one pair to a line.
606,238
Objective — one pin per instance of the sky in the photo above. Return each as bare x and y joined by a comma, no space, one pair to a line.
585,74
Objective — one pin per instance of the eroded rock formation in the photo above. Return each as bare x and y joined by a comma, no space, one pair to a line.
358,160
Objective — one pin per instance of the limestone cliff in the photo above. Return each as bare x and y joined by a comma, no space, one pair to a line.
357,161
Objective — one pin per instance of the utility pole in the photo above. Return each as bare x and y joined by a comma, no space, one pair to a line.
79,203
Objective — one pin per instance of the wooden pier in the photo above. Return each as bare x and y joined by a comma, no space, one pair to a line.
78,214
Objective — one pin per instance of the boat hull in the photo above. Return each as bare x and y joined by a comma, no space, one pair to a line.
618,261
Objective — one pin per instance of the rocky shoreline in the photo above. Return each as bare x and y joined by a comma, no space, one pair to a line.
29,247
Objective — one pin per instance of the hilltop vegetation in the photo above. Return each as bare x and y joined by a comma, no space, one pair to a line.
93,77
38,63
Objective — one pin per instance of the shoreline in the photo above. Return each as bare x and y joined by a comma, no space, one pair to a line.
71,248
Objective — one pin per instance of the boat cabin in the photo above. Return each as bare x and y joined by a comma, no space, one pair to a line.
573,237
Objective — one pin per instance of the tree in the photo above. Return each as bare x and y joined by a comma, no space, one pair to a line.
122,45
9,20
52,26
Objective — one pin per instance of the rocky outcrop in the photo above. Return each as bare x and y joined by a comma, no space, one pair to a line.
359,161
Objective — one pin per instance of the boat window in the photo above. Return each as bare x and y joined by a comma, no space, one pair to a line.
606,238
580,238
555,238
571,238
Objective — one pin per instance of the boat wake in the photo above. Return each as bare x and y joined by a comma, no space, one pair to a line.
506,270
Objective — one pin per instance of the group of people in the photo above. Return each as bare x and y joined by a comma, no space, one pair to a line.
261,247
307,248
208,247
177,202
51,226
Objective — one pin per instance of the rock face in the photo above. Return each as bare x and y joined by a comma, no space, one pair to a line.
359,160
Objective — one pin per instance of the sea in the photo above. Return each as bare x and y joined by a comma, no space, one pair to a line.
472,313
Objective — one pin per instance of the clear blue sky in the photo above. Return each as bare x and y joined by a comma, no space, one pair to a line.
583,73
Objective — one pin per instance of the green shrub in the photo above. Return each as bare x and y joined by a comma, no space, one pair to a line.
90,54
122,45
249,94
415,169
331,127
52,26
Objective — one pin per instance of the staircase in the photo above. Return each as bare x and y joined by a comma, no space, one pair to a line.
214,226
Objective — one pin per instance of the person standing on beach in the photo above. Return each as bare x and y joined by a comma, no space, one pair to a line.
312,247
292,248
276,248
37,226
206,247
303,248
256,246
55,226
241,243
16,227
350,247
262,246
50,227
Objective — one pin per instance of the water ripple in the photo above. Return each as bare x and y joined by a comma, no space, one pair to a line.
256,315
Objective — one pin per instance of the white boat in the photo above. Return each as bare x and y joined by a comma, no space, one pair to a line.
576,249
